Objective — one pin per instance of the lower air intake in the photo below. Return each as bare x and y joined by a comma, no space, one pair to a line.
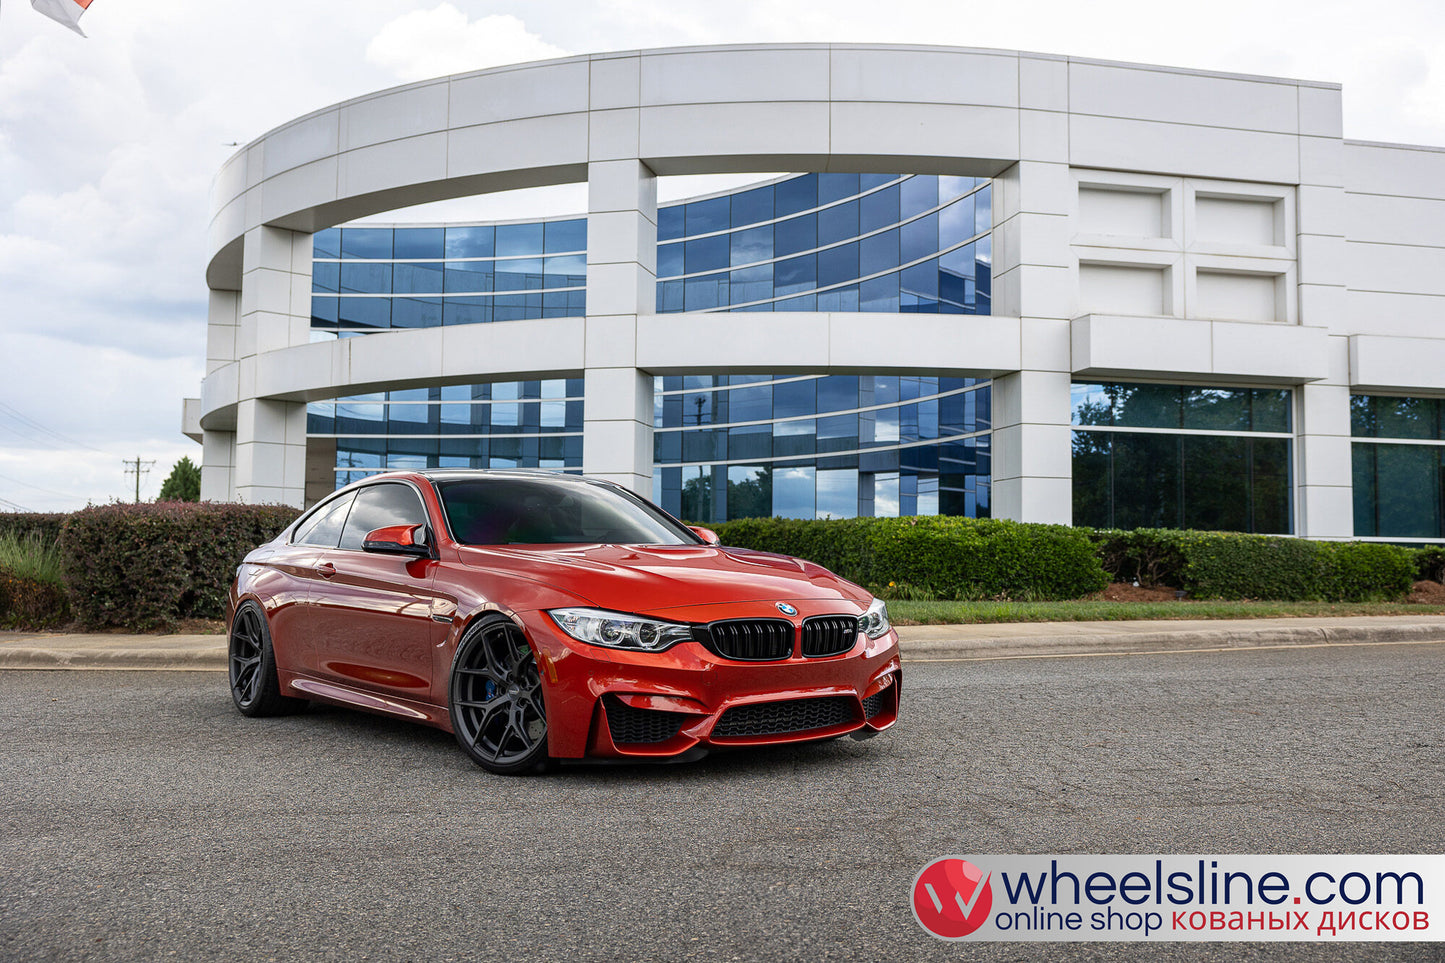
778,718
640,726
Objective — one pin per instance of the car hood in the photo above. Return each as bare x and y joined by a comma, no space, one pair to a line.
653,578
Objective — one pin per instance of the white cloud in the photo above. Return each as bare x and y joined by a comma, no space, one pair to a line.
431,43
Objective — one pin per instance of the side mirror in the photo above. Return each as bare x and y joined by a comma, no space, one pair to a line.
398,540
706,534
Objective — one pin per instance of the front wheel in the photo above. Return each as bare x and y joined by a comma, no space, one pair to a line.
254,686
495,700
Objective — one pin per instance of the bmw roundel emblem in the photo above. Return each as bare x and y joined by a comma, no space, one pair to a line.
786,609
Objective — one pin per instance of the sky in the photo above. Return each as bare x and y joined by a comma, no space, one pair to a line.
109,143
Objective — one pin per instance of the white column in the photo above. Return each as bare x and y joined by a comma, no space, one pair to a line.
621,284
218,447
275,312
1032,441
1324,458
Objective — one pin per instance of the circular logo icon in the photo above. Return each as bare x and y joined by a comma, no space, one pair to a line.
786,609
952,898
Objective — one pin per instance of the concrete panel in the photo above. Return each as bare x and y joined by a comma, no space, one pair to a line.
981,345
613,134
1324,306
1046,500
559,139
559,87
1395,169
1383,313
1322,210
621,237
1321,161
624,288
725,76
1286,353
392,355
610,342
1326,512
1046,344
1321,113
295,189
668,343
1043,82
302,142
1385,219
1213,101
615,394
927,130
1323,259
1141,145
1396,268
926,76
1047,292
615,82
1044,136
1396,364
776,128
394,115
1104,345
395,163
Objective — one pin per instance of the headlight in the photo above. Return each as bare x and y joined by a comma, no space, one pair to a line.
874,622
617,630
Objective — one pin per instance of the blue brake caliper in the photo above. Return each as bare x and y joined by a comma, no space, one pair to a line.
489,690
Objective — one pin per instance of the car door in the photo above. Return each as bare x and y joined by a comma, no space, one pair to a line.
294,568
371,624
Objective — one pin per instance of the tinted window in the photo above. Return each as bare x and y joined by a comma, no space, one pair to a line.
381,506
541,511
323,527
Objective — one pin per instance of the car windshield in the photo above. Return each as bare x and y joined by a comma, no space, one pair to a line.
542,511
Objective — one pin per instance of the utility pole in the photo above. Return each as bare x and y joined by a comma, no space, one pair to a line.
139,469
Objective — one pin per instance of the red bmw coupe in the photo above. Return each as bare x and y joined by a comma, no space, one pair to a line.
543,616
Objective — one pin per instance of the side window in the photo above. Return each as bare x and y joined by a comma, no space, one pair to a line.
323,528
380,506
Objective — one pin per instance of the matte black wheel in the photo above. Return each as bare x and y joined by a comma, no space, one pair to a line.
496,703
254,686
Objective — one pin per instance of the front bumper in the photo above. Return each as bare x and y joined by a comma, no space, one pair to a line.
613,703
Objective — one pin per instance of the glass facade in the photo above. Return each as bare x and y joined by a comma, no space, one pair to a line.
1182,456
831,242
366,279
725,446
735,446
516,424
1398,455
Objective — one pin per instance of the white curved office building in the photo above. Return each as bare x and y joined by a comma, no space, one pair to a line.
998,283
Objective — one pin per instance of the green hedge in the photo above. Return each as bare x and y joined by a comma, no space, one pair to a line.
941,556
1430,563
1233,565
45,526
148,566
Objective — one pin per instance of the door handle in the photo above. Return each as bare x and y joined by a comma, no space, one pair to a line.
326,570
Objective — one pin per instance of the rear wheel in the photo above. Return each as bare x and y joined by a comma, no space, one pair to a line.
496,703
254,686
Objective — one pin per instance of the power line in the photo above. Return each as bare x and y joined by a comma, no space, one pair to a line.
25,421
48,491
138,471
12,507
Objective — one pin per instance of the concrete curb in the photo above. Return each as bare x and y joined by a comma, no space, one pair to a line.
919,643
920,647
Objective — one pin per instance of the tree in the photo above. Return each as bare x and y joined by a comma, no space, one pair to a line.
184,483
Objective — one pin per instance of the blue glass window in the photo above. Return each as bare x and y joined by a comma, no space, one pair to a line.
560,236
470,241
795,234
366,242
514,239
795,194
419,242
669,261
752,207
326,276
706,254
326,243
918,194
705,217
835,187
750,245
365,278
879,209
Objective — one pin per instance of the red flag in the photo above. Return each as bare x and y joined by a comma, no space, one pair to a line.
63,11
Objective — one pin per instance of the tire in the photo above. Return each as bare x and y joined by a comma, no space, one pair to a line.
254,686
495,699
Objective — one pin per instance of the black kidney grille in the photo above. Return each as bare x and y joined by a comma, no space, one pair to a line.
629,725
829,635
776,718
752,640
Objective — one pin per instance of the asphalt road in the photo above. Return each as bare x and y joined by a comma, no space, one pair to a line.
142,818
